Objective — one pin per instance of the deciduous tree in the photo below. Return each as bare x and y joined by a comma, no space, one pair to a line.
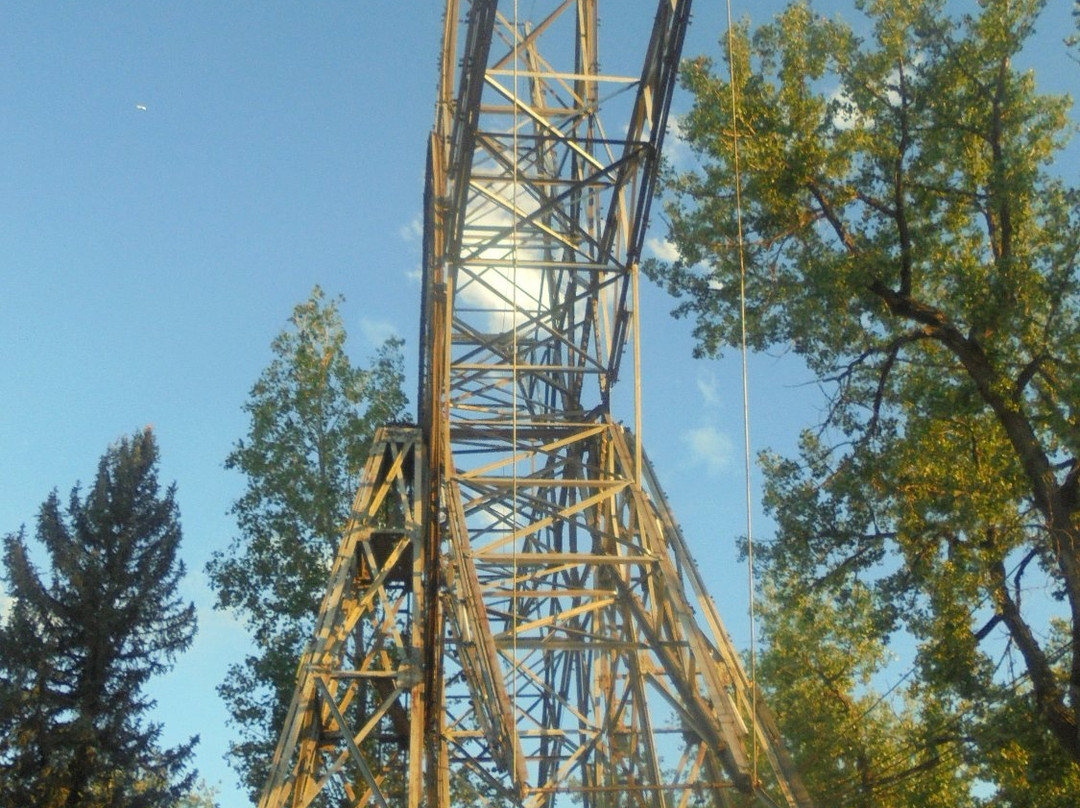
80,645
313,414
860,743
905,233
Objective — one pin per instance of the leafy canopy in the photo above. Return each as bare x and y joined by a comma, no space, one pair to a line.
906,235
312,415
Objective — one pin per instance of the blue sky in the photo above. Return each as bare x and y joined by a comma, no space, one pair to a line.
175,177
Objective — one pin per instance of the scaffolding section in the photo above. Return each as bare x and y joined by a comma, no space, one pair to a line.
514,618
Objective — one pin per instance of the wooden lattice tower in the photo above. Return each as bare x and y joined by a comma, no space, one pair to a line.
513,617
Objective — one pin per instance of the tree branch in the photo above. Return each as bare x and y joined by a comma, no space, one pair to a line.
902,227
892,354
1049,697
1026,375
982,373
831,216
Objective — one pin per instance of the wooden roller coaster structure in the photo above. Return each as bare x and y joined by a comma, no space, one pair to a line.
513,617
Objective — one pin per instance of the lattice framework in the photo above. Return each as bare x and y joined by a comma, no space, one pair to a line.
534,631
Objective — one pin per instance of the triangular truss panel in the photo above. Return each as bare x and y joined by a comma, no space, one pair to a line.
525,625
592,659
350,726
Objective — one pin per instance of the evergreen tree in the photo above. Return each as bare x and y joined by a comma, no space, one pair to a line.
313,414
77,650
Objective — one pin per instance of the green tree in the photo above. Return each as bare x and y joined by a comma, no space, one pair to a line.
857,746
202,795
313,414
76,651
905,235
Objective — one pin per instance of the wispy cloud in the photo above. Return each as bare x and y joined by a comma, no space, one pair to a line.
376,332
708,387
413,231
710,447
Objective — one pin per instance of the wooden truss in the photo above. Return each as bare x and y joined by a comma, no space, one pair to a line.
348,731
514,617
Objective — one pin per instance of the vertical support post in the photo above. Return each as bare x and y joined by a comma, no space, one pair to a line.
419,702
635,275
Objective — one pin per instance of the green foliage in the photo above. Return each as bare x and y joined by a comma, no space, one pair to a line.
856,746
77,650
312,418
905,235
202,796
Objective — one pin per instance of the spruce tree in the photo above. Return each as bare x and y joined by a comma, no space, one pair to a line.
78,647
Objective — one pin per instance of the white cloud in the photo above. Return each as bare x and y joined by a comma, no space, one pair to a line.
710,447
845,115
677,150
662,249
848,115
507,295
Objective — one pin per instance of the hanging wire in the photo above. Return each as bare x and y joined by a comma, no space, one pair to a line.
514,385
747,465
